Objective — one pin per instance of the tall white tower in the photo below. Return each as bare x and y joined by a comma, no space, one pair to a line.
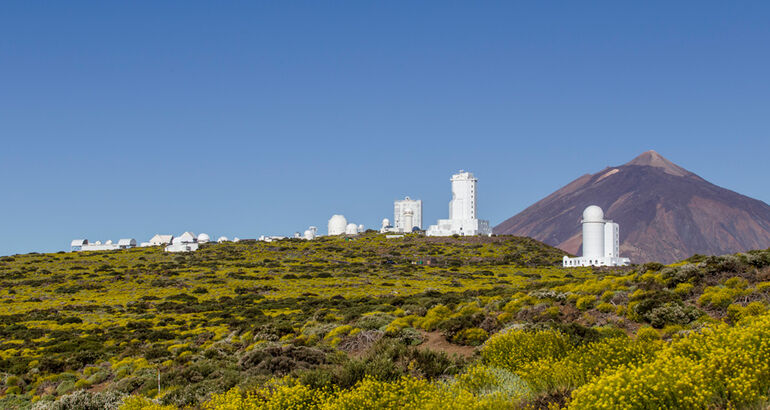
463,203
462,210
593,232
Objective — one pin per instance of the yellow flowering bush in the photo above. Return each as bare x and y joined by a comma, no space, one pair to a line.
720,366
434,317
512,349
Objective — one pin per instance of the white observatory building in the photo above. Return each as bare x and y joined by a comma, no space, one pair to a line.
186,242
339,225
601,242
310,233
463,218
407,215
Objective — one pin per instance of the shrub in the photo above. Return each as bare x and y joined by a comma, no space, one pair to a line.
647,333
143,403
472,336
434,317
683,289
605,307
718,296
85,400
512,349
585,302
485,380
671,313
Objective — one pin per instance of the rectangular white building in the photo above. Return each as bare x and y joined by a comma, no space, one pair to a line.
463,218
407,214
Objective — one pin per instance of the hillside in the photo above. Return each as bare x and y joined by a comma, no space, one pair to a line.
665,212
390,323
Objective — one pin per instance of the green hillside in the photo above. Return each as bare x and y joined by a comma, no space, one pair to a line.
375,322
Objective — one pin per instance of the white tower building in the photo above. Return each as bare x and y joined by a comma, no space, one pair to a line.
337,225
462,210
407,214
463,203
601,241
593,232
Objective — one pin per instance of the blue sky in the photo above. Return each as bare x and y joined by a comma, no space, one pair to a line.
124,119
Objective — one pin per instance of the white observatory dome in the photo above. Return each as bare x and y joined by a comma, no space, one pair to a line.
593,214
236,239
337,225
109,242
385,222
351,229
361,228
222,239
203,238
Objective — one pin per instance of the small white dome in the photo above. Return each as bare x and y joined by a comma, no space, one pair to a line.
351,229
109,242
236,239
203,238
593,214
361,228
337,225
222,239
385,222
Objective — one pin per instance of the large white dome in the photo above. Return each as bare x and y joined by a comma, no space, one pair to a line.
203,238
593,214
337,225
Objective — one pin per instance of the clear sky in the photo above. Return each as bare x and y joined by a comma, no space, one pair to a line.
126,119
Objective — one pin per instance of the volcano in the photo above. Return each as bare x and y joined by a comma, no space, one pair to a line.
666,213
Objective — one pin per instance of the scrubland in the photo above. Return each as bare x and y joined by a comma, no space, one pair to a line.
370,322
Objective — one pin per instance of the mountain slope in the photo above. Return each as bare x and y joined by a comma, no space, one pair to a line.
665,212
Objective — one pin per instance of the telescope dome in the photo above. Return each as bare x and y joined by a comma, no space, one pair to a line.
593,214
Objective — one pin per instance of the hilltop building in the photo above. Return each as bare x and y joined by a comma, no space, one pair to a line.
159,240
310,233
186,242
463,219
386,226
601,242
78,245
407,215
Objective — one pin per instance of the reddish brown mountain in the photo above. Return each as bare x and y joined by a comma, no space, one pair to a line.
665,212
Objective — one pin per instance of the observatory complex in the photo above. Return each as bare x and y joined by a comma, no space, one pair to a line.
462,210
601,242
78,245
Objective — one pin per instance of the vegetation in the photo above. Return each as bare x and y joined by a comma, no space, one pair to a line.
339,323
